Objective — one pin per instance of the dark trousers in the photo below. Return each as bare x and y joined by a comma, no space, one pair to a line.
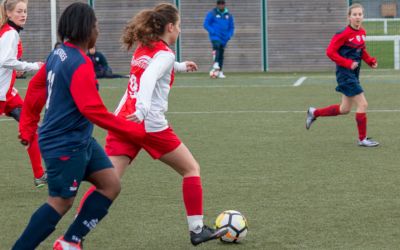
218,49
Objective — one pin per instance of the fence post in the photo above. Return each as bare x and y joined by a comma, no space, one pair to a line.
264,35
178,41
397,53
53,18
385,31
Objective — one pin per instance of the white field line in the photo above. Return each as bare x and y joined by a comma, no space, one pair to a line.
245,112
203,86
299,81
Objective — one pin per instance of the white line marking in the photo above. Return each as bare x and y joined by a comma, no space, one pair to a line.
264,111
299,81
246,111
205,86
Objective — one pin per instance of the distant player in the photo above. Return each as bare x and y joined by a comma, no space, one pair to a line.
13,15
68,88
347,49
146,101
220,26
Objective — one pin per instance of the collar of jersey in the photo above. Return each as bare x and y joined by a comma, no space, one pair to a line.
16,27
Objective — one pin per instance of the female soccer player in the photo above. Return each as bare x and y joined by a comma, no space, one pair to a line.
146,101
13,14
347,49
66,85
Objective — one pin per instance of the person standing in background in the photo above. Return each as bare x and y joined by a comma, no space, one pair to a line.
220,26
13,15
100,63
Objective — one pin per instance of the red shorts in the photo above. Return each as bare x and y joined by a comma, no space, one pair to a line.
156,144
15,102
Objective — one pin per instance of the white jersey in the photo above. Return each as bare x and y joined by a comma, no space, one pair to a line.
10,52
151,78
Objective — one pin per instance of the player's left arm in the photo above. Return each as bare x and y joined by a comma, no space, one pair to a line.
35,99
371,61
187,66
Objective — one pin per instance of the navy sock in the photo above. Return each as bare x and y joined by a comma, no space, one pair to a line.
42,224
93,210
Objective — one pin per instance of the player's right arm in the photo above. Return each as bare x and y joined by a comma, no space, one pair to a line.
84,91
35,99
332,51
208,23
8,56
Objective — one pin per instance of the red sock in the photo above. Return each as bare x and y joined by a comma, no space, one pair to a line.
84,197
361,119
36,159
332,110
192,195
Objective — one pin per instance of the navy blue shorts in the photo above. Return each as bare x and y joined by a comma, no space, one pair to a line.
348,82
65,173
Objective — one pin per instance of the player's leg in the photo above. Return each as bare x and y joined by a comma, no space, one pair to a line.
120,163
101,174
64,177
120,153
43,222
215,45
221,51
332,110
361,119
13,109
183,162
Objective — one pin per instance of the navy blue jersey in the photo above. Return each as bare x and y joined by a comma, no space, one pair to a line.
68,87
64,128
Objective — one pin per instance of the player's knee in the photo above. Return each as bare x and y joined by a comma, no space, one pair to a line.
112,189
193,170
363,106
345,111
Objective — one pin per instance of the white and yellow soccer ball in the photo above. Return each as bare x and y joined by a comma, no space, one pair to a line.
236,224
214,73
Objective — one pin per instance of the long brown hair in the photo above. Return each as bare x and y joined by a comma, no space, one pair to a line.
148,25
8,5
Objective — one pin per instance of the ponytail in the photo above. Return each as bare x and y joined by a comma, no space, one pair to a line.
3,13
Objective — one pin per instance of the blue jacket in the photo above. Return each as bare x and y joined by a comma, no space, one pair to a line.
220,25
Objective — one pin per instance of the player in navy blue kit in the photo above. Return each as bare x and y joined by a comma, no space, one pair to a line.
67,86
347,49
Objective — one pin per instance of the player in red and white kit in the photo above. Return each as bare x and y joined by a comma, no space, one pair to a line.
146,101
13,14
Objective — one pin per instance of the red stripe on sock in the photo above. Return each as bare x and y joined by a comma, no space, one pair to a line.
84,197
332,110
361,119
192,195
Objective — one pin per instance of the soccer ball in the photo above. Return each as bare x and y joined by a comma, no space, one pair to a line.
236,224
214,73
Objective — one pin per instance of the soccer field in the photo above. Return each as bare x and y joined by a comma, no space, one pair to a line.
298,189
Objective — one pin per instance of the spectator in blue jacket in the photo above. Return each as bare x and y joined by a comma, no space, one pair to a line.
220,26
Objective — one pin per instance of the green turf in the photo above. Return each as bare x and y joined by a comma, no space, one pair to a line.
298,189
384,53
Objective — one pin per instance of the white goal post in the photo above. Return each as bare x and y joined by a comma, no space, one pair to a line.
396,51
